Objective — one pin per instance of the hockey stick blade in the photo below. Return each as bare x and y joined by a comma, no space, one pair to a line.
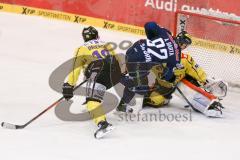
10,126
13,126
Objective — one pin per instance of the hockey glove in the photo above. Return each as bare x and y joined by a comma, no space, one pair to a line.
179,72
67,91
164,83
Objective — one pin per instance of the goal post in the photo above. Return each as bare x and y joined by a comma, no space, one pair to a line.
216,43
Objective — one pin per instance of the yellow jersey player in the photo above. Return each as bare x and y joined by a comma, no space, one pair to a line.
99,63
164,92
204,93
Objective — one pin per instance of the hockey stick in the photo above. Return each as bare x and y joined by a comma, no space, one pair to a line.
13,126
185,98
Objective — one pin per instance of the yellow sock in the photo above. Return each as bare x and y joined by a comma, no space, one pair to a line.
96,111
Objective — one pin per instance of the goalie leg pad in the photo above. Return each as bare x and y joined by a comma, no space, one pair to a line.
208,105
210,108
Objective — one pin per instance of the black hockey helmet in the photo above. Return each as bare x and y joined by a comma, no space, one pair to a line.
183,38
89,33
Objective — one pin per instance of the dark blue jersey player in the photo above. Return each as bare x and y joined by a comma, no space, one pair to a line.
158,49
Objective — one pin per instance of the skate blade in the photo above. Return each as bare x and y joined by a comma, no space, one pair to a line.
101,134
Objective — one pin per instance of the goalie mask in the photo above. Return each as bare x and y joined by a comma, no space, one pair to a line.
89,33
183,39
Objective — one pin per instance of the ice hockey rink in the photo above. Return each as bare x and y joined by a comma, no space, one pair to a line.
31,48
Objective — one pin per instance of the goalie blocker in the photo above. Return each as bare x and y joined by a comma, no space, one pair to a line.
201,100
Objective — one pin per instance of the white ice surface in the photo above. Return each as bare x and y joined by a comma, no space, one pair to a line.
32,47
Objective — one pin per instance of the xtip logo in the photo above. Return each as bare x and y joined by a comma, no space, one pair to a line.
182,23
108,25
27,11
234,50
79,19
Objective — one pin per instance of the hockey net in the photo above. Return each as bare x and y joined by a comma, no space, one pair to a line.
216,44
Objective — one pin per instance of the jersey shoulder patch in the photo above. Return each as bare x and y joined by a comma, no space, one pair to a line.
183,55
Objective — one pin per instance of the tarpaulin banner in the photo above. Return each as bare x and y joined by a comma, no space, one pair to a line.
133,12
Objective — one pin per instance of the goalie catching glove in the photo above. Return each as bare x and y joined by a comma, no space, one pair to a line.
216,87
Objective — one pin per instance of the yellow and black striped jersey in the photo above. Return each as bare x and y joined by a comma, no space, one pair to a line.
91,51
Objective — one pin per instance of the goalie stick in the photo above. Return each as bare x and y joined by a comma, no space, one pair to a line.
13,126
185,98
